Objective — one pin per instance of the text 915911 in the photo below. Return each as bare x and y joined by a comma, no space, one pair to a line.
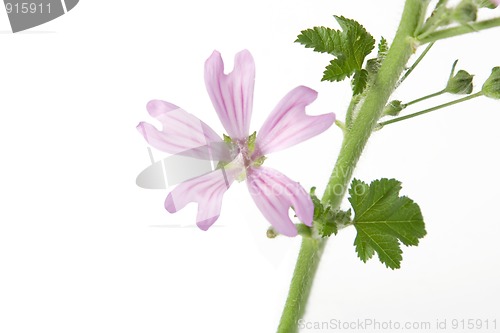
27,8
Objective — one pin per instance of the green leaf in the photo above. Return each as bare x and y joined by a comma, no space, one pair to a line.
359,81
325,226
321,39
338,70
357,42
373,65
383,220
326,220
349,46
383,48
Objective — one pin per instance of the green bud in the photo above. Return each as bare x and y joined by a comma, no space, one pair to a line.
271,233
465,12
491,87
393,108
485,4
460,84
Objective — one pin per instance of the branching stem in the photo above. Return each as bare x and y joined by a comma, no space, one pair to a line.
416,114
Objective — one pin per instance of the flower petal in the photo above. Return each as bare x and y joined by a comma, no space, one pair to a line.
288,123
207,191
232,94
274,194
182,133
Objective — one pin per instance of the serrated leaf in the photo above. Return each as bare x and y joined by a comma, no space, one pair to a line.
373,65
383,48
324,224
338,70
318,206
357,42
321,39
326,220
350,47
359,81
383,219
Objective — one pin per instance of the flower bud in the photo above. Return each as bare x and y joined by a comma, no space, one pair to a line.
491,4
461,83
465,12
271,233
491,87
393,108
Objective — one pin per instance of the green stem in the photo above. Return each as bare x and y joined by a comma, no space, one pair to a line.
424,98
408,72
341,125
376,98
438,16
460,100
461,30
350,110
300,287
352,146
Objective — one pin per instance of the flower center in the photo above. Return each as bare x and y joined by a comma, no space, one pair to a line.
242,154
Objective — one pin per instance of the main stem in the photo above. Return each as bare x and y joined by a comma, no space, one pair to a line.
354,142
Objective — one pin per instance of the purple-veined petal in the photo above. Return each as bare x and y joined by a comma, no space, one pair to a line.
274,194
288,123
206,190
182,133
232,94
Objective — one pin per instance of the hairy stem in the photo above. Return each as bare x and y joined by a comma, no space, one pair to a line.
354,142
376,98
310,252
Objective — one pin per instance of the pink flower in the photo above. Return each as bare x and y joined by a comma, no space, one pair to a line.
496,2
244,154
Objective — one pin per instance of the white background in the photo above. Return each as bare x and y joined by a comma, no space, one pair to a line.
82,249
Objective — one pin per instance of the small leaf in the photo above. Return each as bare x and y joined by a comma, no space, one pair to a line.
373,65
383,48
325,226
359,81
349,46
326,220
383,220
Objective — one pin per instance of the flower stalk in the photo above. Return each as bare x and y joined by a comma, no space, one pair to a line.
460,100
460,30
